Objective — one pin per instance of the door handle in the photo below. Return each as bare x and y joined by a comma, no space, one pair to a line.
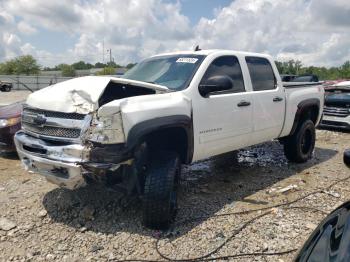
243,103
277,99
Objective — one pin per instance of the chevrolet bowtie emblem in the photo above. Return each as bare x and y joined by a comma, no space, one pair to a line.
39,120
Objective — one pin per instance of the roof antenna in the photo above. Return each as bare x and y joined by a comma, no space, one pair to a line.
197,48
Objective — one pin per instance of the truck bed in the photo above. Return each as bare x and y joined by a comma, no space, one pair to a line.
297,92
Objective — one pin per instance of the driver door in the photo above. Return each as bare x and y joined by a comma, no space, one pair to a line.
223,120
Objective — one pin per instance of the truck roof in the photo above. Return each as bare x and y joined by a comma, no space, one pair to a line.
212,51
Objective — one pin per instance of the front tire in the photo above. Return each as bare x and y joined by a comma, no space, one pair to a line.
299,147
160,191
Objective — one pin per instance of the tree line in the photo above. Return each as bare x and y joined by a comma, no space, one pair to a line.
28,65
295,67
25,65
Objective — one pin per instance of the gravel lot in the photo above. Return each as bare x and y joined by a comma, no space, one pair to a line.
40,222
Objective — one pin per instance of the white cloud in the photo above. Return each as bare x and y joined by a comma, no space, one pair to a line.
27,48
132,29
54,15
26,28
313,31
6,22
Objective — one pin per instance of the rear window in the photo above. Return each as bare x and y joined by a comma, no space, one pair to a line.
261,73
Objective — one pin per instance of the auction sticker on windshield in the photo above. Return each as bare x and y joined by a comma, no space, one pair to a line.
190,60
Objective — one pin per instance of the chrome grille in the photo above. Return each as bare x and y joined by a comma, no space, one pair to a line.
336,111
53,124
53,131
75,116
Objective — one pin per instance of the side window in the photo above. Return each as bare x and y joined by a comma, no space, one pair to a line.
226,66
261,73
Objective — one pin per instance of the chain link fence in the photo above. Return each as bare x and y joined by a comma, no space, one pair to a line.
20,82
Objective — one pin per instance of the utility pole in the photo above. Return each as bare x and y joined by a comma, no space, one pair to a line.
110,55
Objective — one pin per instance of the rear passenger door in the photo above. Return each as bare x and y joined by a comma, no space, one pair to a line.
223,120
268,99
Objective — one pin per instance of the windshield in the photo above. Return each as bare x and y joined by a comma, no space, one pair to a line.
174,71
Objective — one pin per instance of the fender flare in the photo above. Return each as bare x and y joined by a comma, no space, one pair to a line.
139,131
301,107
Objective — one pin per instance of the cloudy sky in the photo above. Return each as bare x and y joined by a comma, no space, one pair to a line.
314,31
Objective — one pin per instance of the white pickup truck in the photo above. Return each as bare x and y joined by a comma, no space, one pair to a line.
135,132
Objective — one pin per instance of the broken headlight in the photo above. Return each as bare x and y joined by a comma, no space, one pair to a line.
107,130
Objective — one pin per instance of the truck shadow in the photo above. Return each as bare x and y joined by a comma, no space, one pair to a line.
206,187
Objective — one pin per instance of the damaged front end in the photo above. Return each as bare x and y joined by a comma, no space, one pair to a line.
73,148
70,149
50,144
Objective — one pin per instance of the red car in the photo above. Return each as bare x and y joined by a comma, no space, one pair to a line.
10,123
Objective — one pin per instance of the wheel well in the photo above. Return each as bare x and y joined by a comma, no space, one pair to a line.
174,138
304,112
310,112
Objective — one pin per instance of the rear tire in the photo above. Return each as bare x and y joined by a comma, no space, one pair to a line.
299,147
7,88
160,191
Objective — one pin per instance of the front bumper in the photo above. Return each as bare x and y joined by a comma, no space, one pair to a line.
335,122
60,164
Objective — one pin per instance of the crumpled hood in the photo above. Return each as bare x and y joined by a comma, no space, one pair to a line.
78,95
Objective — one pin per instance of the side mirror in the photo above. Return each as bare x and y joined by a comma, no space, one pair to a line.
215,84
347,157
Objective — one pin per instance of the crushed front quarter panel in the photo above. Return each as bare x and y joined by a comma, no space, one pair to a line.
138,109
106,129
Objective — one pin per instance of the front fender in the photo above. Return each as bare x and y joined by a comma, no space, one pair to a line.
140,109
153,113
140,130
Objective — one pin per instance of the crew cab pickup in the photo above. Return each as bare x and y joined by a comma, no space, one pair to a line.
135,132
